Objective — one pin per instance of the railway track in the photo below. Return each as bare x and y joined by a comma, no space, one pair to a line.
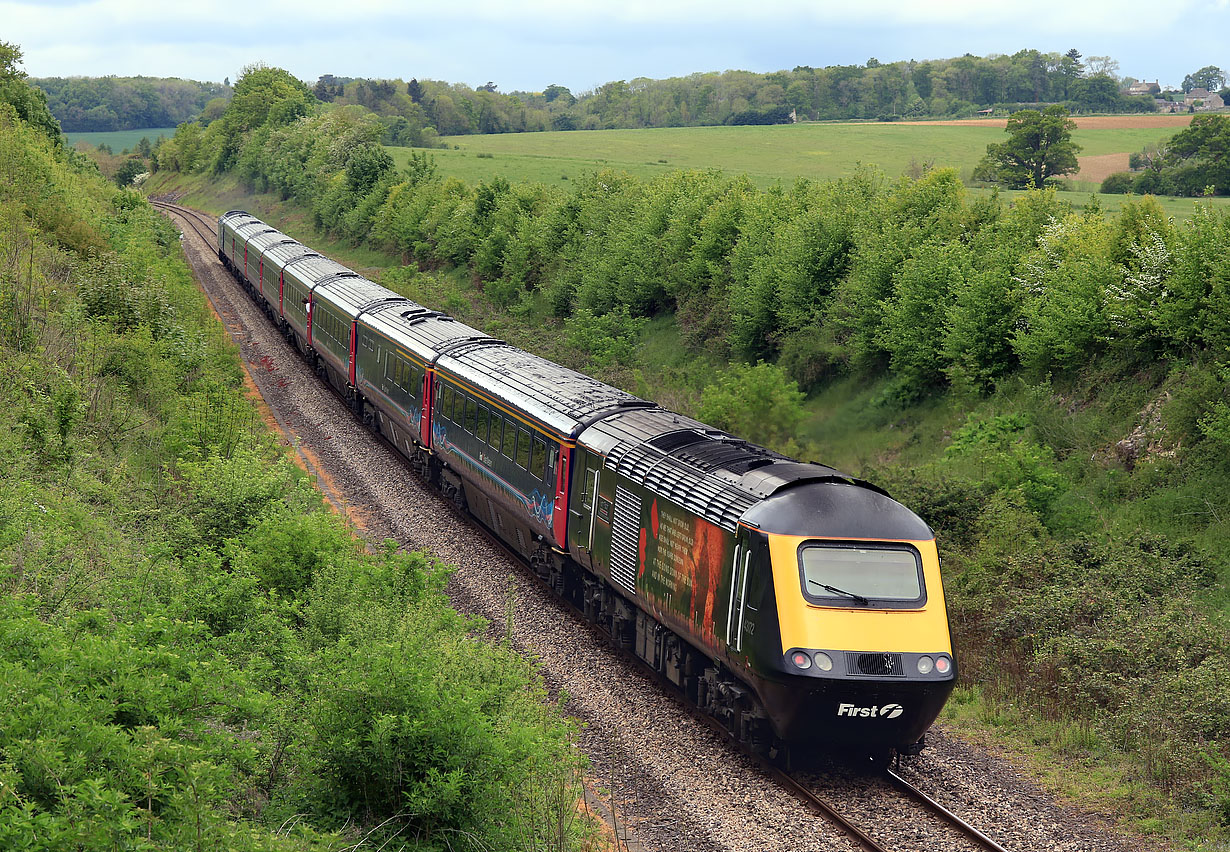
886,783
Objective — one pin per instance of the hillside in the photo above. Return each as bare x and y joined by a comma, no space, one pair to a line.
194,652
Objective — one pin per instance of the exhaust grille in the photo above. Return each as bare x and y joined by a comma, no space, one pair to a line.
625,539
874,665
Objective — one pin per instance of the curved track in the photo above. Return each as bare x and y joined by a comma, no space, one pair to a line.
832,795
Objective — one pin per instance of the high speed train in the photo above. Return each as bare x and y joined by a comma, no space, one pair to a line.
801,607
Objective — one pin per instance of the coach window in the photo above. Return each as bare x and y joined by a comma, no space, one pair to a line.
538,462
509,447
523,449
471,424
497,431
484,420
449,396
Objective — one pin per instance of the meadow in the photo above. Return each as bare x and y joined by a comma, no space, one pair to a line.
119,140
781,153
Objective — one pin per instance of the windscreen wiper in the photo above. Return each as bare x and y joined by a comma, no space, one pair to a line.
837,591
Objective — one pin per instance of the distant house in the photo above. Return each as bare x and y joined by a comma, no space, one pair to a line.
1143,88
1203,99
987,111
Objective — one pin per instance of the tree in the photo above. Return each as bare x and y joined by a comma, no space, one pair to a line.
1209,77
128,171
760,403
556,91
415,90
1201,154
1070,68
30,102
1097,92
1039,147
1103,65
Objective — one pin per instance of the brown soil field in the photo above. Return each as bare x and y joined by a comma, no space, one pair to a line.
1100,167
1087,122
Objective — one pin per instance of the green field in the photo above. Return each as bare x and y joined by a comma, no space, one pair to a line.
818,151
119,140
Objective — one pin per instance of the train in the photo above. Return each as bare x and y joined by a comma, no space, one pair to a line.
800,607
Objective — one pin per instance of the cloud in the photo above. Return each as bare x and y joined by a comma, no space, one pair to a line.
527,44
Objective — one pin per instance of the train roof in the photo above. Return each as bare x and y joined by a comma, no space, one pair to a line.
420,330
718,476
234,218
354,295
835,507
313,269
263,241
563,399
248,230
282,253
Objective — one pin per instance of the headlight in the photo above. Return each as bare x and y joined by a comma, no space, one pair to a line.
943,665
800,659
824,662
925,664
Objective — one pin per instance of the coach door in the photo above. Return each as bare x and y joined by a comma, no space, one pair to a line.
583,514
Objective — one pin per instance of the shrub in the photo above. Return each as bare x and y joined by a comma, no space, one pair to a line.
1066,279
755,402
1119,183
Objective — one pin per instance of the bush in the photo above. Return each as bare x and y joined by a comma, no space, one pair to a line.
1067,278
1153,182
810,360
1119,183
758,402
606,340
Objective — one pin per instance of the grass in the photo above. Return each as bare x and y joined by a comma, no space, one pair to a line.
767,155
1048,752
818,151
119,140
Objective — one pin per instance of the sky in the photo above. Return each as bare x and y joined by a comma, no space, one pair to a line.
526,45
